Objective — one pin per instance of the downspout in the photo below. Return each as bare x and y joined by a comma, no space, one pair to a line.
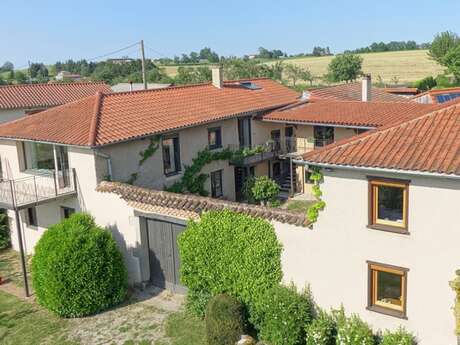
108,159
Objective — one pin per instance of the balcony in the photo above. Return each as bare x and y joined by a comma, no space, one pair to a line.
297,146
36,189
252,155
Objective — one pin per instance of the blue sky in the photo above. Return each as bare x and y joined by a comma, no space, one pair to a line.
50,30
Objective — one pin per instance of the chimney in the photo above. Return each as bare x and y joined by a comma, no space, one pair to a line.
366,92
218,77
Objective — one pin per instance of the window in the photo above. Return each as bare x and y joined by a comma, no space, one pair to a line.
214,138
171,155
388,205
38,156
323,135
244,132
276,137
387,289
66,212
31,216
216,184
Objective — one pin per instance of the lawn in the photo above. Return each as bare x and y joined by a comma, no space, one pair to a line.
10,268
300,206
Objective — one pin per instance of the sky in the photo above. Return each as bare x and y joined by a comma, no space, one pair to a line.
50,30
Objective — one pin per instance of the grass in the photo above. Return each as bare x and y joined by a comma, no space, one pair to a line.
406,66
300,206
184,329
10,267
25,323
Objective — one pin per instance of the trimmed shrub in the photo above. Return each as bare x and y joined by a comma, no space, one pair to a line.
224,320
4,230
352,330
78,269
228,252
398,337
322,330
281,315
265,189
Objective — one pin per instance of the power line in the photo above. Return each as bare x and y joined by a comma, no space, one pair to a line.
113,52
155,51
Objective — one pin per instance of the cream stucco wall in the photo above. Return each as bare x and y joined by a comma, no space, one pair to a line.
11,114
332,256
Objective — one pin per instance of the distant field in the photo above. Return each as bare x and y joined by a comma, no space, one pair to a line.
406,66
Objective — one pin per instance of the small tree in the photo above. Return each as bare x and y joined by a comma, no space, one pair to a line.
442,43
295,73
345,67
265,189
452,61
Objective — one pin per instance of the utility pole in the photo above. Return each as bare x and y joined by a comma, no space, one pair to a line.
144,79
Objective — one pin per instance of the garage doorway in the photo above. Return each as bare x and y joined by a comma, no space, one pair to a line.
164,257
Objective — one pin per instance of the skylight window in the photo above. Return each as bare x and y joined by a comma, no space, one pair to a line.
250,85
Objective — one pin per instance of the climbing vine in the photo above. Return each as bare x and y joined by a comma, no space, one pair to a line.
455,285
193,179
313,211
153,146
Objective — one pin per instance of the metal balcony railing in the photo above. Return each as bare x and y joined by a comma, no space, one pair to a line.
251,155
37,188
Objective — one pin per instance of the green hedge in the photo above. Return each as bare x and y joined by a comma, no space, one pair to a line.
228,252
224,320
4,230
398,337
282,314
322,330
78,269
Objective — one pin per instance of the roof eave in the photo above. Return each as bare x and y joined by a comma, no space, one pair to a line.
309,123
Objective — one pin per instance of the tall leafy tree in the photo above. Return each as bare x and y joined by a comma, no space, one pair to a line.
452,61
442,43
345,67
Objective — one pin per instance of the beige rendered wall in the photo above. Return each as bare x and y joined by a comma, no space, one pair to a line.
11,114
125,158
342,133
332,256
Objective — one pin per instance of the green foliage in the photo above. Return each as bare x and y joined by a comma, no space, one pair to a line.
425,84
345,67
442,43
455,285
248,69
224,320
150,150
296,72
398,337
247,189
78,268
352,330
265,189
452,61
378,47
228,252
322,330
4,230
313,211
196,301
192,75
281,315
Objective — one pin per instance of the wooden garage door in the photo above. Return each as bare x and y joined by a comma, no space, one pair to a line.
164,254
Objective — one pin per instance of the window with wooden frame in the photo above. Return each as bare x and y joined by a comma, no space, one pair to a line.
387,289
171,155
214,138
388,204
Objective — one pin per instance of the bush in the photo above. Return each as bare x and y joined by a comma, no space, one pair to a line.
224,320
322,330
78,268
399,337
425,84
228,252
4,230
265,189
352,330
281,315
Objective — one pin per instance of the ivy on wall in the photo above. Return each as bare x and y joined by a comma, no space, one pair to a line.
153,147
455,285
313,211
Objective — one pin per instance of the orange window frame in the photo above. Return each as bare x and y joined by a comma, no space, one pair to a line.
374,185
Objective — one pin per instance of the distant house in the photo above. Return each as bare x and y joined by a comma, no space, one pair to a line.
64,75
125,87
19,100
119,61
438,95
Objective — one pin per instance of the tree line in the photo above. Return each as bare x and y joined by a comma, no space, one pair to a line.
380,47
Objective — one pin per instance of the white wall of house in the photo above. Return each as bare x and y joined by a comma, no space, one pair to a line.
11,114
332,256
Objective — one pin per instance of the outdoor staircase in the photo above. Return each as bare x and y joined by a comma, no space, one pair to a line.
285,185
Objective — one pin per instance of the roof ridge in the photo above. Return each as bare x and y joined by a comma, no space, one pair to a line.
353,140
56,84
95,119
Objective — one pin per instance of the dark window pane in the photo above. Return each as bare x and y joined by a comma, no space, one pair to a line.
389,288
390,203
216,184
171,155
214,138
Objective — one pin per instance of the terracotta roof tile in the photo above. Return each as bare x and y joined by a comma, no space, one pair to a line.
428,143
30,96
183,205
359,114
110,118
352,92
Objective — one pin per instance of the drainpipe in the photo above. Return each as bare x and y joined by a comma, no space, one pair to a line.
21,251
109,161
292,176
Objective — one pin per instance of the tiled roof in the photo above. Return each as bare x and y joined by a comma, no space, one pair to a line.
359,114
169,203
353,92
109,118
29,96
406,90
429,143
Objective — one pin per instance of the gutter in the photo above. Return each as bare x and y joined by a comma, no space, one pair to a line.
316,124
382,170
